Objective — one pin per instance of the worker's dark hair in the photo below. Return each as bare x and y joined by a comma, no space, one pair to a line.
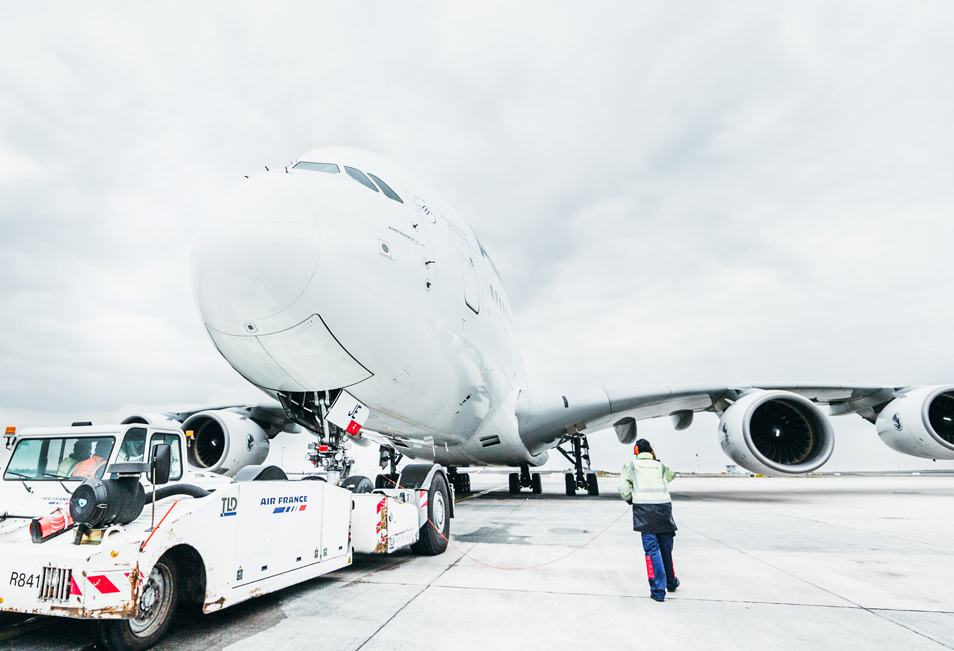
642,445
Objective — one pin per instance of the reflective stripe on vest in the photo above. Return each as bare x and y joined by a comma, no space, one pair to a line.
649,482
88,468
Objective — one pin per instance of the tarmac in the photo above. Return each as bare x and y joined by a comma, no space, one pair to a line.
829,562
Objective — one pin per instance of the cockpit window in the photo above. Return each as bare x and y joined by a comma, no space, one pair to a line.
359,176
386,189
329,168
484,253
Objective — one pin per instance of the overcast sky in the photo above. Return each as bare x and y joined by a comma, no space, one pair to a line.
673,192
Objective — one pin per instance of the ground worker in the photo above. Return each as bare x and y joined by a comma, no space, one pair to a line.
96,463
81,450
642,483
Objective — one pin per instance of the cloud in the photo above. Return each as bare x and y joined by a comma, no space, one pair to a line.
735,192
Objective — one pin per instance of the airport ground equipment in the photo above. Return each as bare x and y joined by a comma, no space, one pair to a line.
126,545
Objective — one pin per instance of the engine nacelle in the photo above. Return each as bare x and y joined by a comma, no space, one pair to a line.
626,430
776,433
225,442
920,423
151,419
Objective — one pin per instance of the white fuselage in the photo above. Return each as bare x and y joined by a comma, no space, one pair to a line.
310,280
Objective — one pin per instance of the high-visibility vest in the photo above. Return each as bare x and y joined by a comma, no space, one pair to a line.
66,467
644,480
88,468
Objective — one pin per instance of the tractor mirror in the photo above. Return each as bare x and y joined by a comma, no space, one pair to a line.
161,463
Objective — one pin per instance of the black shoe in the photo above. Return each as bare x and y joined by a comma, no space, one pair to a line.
673,587
655,598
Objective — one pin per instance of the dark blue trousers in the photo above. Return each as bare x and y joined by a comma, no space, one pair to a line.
658,548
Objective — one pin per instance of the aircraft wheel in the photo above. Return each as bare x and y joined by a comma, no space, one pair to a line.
514,483
435,532
462,484
357,484
157,604
570,483
536,483
592,486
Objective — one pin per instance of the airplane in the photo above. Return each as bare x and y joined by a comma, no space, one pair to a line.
368,309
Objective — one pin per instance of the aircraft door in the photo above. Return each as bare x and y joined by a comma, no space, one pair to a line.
468,267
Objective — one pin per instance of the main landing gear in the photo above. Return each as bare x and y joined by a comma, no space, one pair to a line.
524,479
579,456
460,481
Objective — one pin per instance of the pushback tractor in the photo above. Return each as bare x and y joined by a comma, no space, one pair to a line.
111,524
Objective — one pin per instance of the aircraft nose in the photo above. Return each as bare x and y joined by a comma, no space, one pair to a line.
258,252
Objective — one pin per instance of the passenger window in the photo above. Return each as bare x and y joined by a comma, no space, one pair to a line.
359,176
175,471
328,168
386,189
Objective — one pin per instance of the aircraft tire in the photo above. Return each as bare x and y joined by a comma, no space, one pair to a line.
592,486
432,539
570,484
358,484
461,483
157,604
514,483
536,483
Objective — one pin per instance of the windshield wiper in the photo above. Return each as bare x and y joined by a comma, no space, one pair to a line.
22,478
59,479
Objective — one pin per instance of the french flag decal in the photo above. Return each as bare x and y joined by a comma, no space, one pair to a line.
289,509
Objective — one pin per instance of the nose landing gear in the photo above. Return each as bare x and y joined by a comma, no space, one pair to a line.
579,456
330,452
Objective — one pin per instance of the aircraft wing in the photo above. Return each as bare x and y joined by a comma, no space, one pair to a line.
545,417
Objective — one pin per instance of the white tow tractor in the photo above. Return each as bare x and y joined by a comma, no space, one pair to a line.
109,523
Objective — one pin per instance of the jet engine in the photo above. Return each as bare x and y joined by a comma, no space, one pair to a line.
776,433
920,423
225,442
151,419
